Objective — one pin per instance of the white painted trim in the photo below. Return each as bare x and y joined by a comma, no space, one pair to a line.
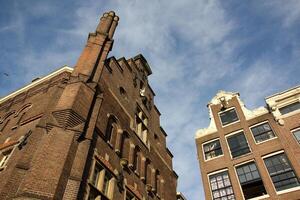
204,143
272,154
260,123
216,172
228,109
31,85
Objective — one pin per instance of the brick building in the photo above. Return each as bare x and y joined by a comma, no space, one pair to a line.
251,154
92,132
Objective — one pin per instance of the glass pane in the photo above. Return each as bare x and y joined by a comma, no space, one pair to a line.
281,172
290,108
238,144
297,135
228,117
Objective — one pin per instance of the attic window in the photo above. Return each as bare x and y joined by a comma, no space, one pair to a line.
290,108
229,116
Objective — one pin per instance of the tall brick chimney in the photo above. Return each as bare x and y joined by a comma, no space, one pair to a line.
91,61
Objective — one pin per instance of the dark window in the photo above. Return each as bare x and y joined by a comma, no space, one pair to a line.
130,196
281,172
136,159
110,128
289,108
250,180
262,132
228,117
221,186
238,144
297,135
212,149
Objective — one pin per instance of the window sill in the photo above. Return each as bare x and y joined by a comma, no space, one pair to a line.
210,159
260,197
288,190
273,138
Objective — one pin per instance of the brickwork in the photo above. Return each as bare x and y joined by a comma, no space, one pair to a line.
282,141
56,129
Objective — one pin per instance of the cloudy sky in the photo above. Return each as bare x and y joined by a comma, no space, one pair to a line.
194,47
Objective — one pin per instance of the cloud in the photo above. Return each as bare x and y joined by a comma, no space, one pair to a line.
194,48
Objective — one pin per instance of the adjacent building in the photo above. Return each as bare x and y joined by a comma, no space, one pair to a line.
92,132
251,154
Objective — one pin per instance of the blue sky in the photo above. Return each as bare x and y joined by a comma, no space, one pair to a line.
194,47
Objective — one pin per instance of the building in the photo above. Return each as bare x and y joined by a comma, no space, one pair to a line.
180,196
92,132
251,154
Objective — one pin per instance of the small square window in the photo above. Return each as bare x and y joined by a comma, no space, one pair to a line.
238,144
297,135
228,117
262,132
289,108
212,149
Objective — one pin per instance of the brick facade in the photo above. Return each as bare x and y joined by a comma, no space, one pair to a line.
58,131
281,140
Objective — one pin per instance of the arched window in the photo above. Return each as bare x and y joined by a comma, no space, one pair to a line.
110,128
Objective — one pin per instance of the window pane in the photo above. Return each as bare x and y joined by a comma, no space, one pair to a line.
297,135
212,149
238,144
290,108
223,189
262,132
281,172
228,117
250,180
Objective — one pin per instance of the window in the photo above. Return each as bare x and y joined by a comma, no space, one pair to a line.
221,186
4,156
136,160
250,180
289,108
262,132
130,196
228,116
238,144
281,172
142,126
110,128
212,149
101,181
297,135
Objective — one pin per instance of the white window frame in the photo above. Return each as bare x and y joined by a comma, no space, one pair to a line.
287,104
209,141
282,191
260,123
216,172
237,177
233,133
228,109
294,130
